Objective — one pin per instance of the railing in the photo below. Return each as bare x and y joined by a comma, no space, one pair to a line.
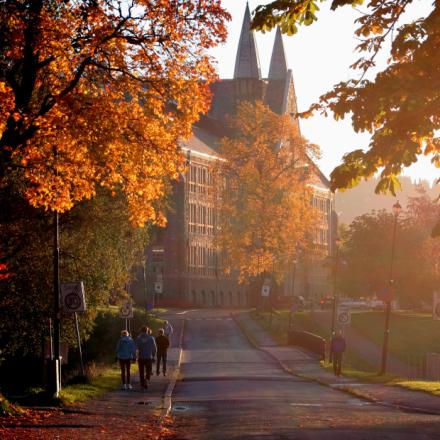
309,341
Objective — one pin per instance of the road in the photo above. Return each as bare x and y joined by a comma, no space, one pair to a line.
230,390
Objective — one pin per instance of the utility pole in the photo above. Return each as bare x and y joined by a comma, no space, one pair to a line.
396,211
55,373
55,376
335,282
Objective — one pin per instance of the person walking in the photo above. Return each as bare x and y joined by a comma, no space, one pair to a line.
162,343
167,329
125,353
337,349
146,346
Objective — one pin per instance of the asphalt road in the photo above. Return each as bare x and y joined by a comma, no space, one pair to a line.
229,390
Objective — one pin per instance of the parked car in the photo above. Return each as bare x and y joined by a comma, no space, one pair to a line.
326,302
355,303
377,304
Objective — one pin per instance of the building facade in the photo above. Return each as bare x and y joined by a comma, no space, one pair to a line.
184,259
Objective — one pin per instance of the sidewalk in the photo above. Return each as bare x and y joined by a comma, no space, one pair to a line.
301,363
137,400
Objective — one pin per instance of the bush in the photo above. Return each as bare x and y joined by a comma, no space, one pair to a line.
101,345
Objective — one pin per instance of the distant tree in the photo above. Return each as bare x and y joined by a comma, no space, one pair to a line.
265,208
367,252
97,93
400,106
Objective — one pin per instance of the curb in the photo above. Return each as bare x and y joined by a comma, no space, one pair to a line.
343,389
167,402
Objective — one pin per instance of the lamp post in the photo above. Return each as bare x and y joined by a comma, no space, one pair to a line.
335,279
295,261
396,211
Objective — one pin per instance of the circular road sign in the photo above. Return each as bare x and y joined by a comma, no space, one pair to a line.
72,301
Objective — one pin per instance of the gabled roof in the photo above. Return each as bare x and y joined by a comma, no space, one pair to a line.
247,63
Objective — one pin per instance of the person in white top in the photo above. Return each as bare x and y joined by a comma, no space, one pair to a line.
167,329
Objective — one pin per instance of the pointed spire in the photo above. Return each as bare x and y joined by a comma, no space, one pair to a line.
247,64
278,63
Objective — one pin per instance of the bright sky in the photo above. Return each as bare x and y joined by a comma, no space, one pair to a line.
320,56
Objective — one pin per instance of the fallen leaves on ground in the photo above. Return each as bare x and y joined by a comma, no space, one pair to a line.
57,424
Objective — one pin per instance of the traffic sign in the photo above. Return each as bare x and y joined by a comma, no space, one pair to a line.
343,315
126,310
158,287
436,305
72,297
265,290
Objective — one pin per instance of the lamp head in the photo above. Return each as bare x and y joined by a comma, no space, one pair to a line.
397,208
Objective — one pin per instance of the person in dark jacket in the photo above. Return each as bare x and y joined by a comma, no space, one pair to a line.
126,353
337,349
146,346
162,343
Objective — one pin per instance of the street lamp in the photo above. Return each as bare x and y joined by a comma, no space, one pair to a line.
335,279
396,211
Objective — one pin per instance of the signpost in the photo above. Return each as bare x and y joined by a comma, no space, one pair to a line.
265,291
72,297
126,312
293,309
436,305
158,287
73,301
343,315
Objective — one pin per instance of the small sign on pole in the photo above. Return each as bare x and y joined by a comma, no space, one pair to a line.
72,297
343,316
265,290
126,310
158,287
436,305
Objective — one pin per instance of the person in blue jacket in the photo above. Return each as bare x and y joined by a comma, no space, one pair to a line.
337,349
146,346
126,353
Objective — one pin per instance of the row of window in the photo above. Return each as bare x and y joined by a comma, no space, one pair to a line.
203,260
322,236
201,219
322,204
200,179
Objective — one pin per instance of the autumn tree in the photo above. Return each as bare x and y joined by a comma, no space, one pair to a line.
400,105
265,209
97,92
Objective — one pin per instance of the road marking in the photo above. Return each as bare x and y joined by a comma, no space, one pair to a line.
306,404
209,319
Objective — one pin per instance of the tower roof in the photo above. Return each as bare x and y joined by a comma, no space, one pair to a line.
278,62
247,64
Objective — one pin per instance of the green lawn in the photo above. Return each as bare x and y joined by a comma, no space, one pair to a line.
304,321
103,380
411,336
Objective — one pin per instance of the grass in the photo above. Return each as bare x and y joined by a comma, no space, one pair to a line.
412,335
103,380
369,377
420,385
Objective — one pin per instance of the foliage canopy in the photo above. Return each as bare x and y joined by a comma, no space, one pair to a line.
97,92
400,106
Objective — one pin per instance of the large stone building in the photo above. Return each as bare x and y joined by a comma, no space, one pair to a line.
183,257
